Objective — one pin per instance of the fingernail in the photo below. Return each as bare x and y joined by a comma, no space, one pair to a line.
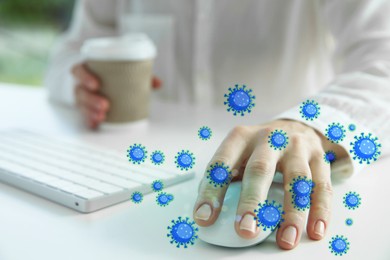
204,212
319,228
289,235
248,223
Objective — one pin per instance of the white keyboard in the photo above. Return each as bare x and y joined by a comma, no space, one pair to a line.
76,175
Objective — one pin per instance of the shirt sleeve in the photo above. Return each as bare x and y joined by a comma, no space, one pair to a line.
360,91
86,23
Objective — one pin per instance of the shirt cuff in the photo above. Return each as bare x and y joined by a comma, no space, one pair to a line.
342,168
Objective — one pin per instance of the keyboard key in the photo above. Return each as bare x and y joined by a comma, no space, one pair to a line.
98,185
57,183
88,194
73,188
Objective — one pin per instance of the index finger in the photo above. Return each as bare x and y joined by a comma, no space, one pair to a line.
215,182
85,77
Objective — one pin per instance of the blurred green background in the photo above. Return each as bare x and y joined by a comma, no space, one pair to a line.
28,29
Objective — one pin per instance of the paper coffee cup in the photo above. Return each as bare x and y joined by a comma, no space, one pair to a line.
124,68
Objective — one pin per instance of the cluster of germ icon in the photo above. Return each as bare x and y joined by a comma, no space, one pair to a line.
365,148
162,199
339,244
301,190
183,231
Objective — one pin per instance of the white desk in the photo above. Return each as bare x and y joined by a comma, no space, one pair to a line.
35,228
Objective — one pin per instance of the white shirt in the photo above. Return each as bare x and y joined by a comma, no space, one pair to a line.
335,52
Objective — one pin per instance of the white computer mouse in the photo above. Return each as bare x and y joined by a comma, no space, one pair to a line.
222,232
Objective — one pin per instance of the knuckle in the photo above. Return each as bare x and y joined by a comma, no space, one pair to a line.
324,187
260,168
77,90
266,131
294,216
218,159
297,139
292,175
317,154
238,131
76,69
208,193
249,202
321,210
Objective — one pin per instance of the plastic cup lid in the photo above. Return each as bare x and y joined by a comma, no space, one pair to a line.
128,47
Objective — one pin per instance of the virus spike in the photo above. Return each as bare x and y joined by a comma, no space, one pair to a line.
157,157
157,185
278,140
239,100
137,197
184,160
309,110
335,132
182,232
339,245
330,157
352,200
137,153
351,127
205,133
349,222
365,148
219,174
269,215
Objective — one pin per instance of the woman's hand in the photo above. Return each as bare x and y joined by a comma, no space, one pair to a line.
93,105
247,152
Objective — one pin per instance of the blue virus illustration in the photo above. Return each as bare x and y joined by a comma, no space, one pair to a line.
278,140
352,200
205,133
301,202
184,160
269,215
301,186
239,100
339,245
351,127
136,153
219,174
330,156
301,189
183,232
335,132
365,148
137,197
349,222
157,157
157,185
163,199
309,110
